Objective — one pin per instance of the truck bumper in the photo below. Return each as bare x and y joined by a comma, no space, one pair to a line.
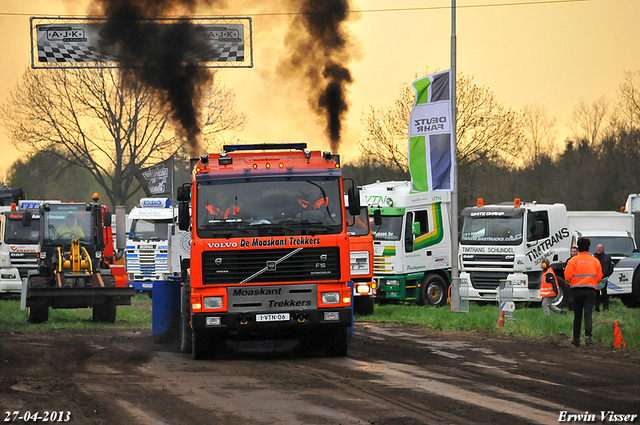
521,291
10,281
78,297
300,322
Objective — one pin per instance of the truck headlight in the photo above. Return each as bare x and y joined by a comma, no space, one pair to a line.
331,297
212,303
43,255
519,282
362,289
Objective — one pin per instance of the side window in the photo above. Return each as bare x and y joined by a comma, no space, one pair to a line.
408,234
538,225
423,218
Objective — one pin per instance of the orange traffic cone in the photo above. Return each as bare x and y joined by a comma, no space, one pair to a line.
500,323
618,340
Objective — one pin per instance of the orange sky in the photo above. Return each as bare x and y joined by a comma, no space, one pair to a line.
552,54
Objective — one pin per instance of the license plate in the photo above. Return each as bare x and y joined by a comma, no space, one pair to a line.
146,247
278,317
147,285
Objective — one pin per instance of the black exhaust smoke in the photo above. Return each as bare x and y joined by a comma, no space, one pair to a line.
320,51
159,55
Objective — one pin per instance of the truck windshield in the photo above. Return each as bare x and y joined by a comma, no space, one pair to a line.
358,225
149,229
16,233
502,230
66,222
269,207
613,246
389,229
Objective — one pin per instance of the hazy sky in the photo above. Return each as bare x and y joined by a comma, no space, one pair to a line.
553,53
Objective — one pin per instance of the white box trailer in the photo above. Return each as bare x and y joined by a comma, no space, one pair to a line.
614,230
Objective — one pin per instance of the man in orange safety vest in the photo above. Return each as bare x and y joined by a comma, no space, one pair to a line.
583,272
549,289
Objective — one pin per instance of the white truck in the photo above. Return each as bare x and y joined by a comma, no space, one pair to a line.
146,249
411,243
614,230
507,242
625,280
18,245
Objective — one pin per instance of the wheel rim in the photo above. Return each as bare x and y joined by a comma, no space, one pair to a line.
434,294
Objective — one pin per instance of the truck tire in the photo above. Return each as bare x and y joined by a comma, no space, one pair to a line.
433,291
337,343
203,345
38,314
185,326
363,305
106,313
564,298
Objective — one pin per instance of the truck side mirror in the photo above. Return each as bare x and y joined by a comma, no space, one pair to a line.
183,215
354,201
184,193
377,217
26,219
107,219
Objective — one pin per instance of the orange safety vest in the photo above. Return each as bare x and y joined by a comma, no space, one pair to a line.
223,214
546,288
319,203
583,271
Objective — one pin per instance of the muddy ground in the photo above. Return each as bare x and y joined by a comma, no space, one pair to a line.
393,375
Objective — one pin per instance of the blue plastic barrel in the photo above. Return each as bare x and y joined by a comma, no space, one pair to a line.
165,315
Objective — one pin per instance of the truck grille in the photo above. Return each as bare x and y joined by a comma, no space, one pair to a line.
147,264
478,261
304,265
24,261
487,280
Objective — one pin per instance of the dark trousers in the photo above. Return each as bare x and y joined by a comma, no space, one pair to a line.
602,297
583,301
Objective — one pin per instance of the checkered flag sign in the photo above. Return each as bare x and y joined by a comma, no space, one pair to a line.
80,44
157,179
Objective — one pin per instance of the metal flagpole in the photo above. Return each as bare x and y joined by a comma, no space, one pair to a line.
454,193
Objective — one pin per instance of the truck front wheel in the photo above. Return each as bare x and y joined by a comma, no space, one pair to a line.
433,291
363,305
563,299
337,342
203,345
40,313
106,313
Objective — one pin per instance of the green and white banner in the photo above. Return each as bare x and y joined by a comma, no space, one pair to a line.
430,134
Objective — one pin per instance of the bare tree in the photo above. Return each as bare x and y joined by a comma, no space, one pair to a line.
92,119
589,120
539,136
221,122
628,105
485,128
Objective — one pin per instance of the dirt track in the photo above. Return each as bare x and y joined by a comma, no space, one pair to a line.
392,375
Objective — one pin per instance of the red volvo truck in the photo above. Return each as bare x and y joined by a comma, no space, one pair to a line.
269,250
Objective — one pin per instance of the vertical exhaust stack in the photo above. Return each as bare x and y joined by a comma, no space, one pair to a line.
157,55
320,51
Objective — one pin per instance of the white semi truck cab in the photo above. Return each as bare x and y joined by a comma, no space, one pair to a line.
508,241
146,251
412,243
18,245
